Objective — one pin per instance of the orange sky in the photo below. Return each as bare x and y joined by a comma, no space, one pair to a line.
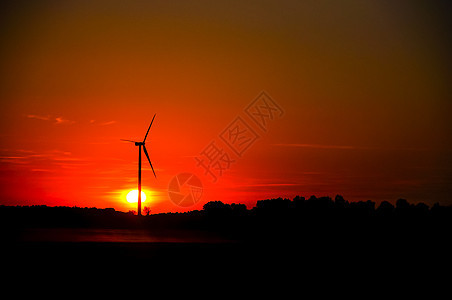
365,88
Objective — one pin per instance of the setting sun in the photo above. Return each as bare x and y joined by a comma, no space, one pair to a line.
132,196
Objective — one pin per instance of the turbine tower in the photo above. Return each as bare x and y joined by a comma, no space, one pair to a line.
142,144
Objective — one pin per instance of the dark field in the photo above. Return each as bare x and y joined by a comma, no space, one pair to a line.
329,242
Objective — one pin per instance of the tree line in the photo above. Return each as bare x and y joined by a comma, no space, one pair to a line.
327,207
294,213
327,217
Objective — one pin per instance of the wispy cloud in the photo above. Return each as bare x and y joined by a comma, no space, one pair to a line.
55,120
41,170
44,118
107,123
12,159
102,123
269,184
318,146
348,147
60,120
50,157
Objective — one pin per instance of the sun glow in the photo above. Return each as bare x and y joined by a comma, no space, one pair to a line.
132,196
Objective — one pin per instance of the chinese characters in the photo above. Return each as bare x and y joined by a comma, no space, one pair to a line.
238,136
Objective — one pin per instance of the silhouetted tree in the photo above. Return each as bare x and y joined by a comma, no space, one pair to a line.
339,201
146,210
385,209
403,208
312,198
298,201
273,206
320,205
422,208
238,209
216,208
402,204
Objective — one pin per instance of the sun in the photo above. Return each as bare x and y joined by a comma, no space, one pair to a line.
132,196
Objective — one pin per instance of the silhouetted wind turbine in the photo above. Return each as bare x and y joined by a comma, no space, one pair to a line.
139,144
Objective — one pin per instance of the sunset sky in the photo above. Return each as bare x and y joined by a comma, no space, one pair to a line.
363,88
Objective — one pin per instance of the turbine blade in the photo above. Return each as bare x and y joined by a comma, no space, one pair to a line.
148,129
127,141
147,155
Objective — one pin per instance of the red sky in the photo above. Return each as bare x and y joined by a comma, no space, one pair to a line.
364,85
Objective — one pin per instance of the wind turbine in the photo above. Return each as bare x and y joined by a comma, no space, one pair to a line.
142,144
